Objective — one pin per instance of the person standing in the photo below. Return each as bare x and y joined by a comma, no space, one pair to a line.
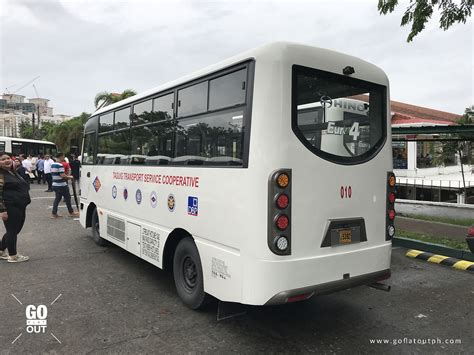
22,169
40,169
48,162
60,187
14,197
34,161
75,169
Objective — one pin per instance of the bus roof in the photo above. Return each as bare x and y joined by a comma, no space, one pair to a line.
323,58
26,140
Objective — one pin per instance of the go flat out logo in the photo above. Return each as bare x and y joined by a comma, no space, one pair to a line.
36,318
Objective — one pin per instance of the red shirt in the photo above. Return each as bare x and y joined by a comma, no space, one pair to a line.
67,167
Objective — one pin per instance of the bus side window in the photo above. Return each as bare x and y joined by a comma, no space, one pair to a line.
228,90
211,136
88,150
192,100
152,142
113,144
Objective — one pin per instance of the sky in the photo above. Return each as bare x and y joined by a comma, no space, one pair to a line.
82,47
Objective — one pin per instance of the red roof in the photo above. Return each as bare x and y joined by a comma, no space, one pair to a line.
403,113
399,118
423,113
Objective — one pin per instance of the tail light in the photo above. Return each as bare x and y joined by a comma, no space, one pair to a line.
279,212
390,210
470,231
282,201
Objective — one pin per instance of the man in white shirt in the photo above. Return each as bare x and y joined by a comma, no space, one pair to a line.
27,164
47,172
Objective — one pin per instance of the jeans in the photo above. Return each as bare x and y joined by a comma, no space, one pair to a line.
62,191
49,180
13,226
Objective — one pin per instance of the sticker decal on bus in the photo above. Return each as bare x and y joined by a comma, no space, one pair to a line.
138,196
341,131
192,206
96,183
153,199
125,193
171,203
219,269
114,192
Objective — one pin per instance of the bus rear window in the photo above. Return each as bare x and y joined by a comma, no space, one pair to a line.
338,118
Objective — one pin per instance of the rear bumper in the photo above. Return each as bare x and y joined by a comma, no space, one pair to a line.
329,287
273,281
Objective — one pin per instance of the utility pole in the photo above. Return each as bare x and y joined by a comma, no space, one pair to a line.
33,124
38,125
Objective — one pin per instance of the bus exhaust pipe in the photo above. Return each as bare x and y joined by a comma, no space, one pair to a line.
381,286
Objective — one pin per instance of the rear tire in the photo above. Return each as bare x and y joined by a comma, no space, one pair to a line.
188,277
96,230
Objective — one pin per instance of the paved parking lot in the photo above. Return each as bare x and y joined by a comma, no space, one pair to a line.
110,301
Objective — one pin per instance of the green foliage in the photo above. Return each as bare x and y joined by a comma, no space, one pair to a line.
456,221
446,241
105,98
62,134
419,12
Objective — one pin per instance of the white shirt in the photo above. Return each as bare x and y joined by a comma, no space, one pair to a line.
27,164
47,165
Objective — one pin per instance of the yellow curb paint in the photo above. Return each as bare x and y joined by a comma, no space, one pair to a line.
462,264
437,258
413,253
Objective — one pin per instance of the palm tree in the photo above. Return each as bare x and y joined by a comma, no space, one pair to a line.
105,98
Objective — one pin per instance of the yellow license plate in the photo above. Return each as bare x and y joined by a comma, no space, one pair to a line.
345,236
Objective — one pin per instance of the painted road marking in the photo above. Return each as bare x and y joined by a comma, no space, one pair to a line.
441,259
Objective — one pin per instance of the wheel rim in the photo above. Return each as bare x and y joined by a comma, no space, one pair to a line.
190,274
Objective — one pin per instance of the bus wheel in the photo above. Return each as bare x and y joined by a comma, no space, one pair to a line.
188,276
96,230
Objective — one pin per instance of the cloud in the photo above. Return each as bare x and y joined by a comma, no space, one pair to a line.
82,47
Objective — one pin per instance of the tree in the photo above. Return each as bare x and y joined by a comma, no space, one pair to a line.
105,98
419,12
26,130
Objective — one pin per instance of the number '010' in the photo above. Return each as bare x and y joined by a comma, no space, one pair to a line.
346,191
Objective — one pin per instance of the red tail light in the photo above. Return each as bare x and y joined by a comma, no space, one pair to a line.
470,231
391,197
299,297
282,201
282,222
391,214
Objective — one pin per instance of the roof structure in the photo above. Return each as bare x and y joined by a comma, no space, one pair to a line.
416,116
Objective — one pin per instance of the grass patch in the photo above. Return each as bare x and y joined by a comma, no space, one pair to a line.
458,222
456,244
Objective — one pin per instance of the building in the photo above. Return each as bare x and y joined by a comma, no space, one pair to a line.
420,173
14,110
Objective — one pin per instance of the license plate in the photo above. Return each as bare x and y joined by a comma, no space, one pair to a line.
345,236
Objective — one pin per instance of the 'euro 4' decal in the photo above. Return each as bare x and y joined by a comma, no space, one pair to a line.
192,206
340,131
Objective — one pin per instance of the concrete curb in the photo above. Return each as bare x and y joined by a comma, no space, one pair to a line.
433,248
441,259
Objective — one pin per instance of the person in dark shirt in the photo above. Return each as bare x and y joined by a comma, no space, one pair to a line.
75,167
14,197
75,170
